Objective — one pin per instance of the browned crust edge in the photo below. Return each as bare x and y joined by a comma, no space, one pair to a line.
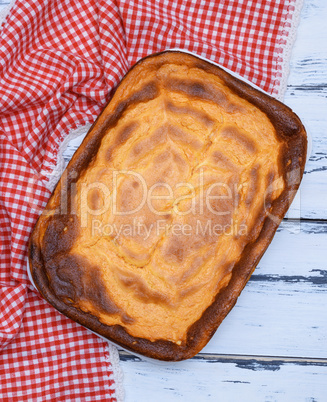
292,160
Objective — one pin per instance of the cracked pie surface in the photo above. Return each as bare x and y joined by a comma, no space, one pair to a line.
168,205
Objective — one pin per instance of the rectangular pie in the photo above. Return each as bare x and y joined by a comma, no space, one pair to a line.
168,205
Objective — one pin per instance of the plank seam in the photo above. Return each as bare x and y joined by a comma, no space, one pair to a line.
225,358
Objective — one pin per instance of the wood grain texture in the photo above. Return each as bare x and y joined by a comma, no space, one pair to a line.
228,379
311,104
309,54
307,95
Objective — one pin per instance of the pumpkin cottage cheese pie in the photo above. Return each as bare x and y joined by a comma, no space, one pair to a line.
168,205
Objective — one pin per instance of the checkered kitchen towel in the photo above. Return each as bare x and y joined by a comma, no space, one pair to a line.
59,61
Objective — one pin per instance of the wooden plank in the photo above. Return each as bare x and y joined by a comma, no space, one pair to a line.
282,310
311,105
309,54
220,378
307,96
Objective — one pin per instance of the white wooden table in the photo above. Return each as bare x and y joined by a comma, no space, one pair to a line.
273,344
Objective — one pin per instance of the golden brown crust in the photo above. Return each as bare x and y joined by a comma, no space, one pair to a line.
69,280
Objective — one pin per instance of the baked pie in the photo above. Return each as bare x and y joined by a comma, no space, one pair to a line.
168,205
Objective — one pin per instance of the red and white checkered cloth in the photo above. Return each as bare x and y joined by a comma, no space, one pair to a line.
59,61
